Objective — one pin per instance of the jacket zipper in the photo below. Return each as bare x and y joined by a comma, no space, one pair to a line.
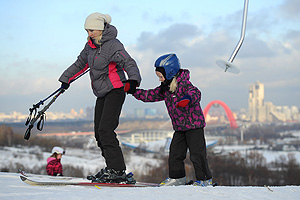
97,52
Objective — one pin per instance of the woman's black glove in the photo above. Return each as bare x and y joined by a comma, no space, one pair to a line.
65,85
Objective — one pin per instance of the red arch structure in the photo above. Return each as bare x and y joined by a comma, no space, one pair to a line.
229,114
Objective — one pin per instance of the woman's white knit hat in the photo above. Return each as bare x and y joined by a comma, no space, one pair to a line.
95,21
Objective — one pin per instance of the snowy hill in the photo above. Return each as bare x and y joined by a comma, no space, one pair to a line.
13,188
90,161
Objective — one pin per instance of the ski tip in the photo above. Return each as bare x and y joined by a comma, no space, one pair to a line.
23,178
22,172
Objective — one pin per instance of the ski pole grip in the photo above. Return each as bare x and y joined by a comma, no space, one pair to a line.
27,133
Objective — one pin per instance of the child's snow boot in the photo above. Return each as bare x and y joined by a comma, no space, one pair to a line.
203,183
173,182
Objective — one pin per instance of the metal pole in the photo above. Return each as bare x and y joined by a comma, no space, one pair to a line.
237,48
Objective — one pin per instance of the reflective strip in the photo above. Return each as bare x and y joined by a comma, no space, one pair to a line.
163,62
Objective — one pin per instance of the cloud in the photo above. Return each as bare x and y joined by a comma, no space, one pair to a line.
293,39
269,54
170,38
290,9
283,83
266,58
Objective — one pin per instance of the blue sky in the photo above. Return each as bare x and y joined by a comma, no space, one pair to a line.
40,39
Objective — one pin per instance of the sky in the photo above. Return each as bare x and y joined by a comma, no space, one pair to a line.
40,39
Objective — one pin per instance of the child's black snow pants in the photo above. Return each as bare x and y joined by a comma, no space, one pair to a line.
194,141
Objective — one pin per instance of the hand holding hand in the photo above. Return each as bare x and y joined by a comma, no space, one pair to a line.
130,86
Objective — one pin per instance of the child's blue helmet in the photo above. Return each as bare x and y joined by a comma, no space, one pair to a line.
170,63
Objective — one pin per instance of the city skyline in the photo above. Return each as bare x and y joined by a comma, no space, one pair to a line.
256,100
41,39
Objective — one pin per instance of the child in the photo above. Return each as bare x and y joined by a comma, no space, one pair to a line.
182,100
54,167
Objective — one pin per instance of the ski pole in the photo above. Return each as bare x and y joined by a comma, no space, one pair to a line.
36,106
41,115
41,102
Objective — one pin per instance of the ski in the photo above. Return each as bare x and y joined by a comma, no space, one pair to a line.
23,173
67,183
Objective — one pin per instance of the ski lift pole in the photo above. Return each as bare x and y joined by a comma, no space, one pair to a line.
243,31
40,115
227,65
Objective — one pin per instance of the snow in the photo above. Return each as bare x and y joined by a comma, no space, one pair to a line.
13,188
270,156
90,161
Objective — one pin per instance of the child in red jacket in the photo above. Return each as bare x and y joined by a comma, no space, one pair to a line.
54,167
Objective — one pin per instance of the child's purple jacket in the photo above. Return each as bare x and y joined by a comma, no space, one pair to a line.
183,119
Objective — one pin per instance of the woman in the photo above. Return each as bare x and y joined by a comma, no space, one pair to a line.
107,59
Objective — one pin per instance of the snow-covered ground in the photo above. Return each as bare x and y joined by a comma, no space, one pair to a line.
269,155
12,188
90,161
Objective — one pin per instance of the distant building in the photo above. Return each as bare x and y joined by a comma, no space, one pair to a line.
89,113
145,136
256,102
261,111
148,113
139,112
